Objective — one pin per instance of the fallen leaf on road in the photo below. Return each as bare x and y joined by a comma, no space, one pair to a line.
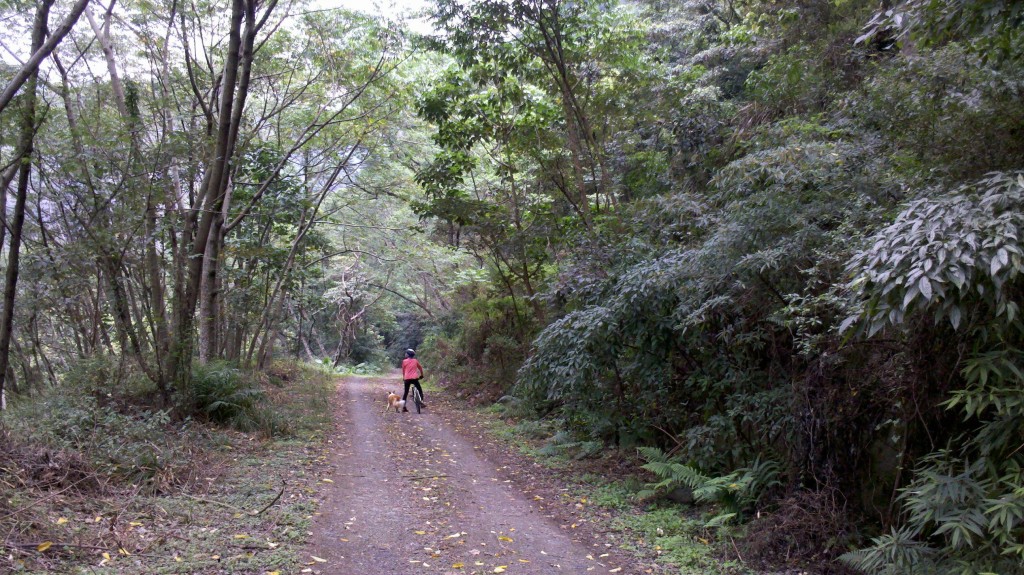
44,546
318,559
500,569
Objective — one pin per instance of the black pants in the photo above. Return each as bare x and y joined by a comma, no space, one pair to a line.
409,382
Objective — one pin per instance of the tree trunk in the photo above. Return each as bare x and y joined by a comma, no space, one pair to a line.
25,147
211,316
208,316
235,87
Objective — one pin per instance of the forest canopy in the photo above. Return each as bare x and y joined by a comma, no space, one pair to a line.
774,247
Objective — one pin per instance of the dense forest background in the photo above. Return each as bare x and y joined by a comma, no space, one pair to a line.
775,245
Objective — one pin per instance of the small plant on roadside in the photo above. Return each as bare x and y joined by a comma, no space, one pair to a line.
617,495
222,394
676,539
564,445
737,492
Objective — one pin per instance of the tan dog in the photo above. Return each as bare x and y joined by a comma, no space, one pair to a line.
395,401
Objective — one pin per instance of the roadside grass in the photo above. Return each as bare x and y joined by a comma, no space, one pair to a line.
212,500
672,536
678,537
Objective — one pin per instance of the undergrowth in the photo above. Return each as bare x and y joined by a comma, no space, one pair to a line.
86,487
674,536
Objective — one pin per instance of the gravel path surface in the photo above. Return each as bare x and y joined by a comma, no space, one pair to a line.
412,494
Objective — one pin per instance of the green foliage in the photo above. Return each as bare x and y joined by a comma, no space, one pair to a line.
956,257
911,102
223,394
681,541
737,493
993,27
959,518
481,343
114,436
956,254
566,446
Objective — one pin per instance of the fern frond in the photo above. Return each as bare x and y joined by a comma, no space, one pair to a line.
653,454
659,468
720,520
645,494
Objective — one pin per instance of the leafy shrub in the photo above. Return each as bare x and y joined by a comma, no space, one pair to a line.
957,258
959,517
222,394
737,493
934,108
957,254
480,344
112,381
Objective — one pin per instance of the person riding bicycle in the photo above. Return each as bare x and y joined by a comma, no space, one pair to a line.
412,372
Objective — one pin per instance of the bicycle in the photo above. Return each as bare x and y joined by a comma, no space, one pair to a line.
417,398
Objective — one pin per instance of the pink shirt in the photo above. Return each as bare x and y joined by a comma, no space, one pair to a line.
411,368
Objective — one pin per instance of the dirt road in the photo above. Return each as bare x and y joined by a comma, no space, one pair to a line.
409,494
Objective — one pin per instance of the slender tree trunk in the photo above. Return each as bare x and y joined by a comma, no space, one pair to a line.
103,36
211,306
234,86
25,147
208,297
157,301
38,352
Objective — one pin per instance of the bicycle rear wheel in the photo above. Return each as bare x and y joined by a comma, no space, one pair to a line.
417,399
